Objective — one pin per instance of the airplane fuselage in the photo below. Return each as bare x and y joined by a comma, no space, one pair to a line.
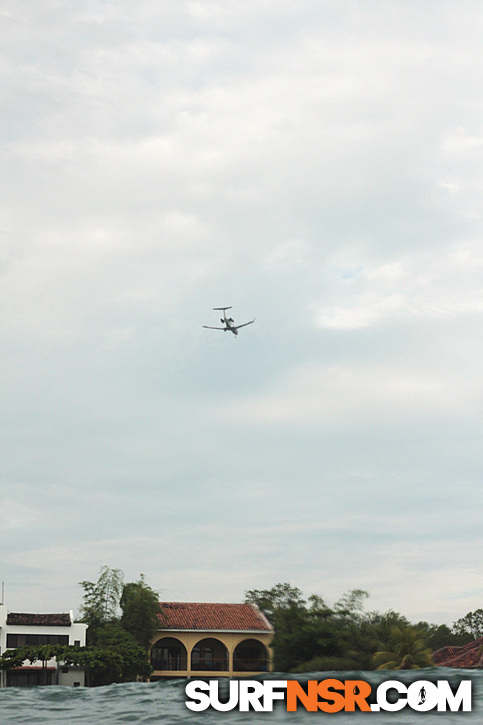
229,323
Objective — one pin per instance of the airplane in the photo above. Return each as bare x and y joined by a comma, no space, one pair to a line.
229,322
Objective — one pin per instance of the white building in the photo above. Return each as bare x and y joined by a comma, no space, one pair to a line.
18,629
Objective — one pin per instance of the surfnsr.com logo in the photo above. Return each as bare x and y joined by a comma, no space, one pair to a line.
330,696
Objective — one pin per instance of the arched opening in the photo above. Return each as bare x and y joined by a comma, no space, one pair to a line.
169,654
250,656
209,654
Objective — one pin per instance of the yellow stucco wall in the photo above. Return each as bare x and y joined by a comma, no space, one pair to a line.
230,639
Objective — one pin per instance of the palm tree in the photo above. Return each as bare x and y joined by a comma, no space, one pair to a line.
407,650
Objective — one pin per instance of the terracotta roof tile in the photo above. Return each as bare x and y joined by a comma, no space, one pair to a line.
198,615
468,655
39,620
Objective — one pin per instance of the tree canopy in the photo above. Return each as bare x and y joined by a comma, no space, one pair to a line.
101,601
471,624
140,610
406,650
310,635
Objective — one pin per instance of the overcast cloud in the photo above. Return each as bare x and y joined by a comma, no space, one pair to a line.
314,163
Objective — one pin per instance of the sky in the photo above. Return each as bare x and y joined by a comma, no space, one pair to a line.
316,164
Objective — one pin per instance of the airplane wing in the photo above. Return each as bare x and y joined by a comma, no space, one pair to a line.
208,327
245,324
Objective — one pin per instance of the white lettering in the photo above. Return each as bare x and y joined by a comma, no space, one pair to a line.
461,699
250,694
270,693
383,704
194,690
420,696
215,696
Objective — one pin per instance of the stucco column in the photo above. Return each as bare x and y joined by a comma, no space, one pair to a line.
231,649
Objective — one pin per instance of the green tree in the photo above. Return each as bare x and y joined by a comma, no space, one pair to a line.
116,657
440,635
355,632
471,624
140,611
295,636
101,601
273,602
118,644
346,637
384,623
319,639
309,635
286,610
351,605
405,650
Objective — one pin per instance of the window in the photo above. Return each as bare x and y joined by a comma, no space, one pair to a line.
28,679
19,640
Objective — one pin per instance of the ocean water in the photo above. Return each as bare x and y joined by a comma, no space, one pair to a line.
164,703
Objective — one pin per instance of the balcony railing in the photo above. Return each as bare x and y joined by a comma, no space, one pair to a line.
241,664
179,664
212,665
174,664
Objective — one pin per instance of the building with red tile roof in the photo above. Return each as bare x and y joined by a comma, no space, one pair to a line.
468,656
18,629
211,639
